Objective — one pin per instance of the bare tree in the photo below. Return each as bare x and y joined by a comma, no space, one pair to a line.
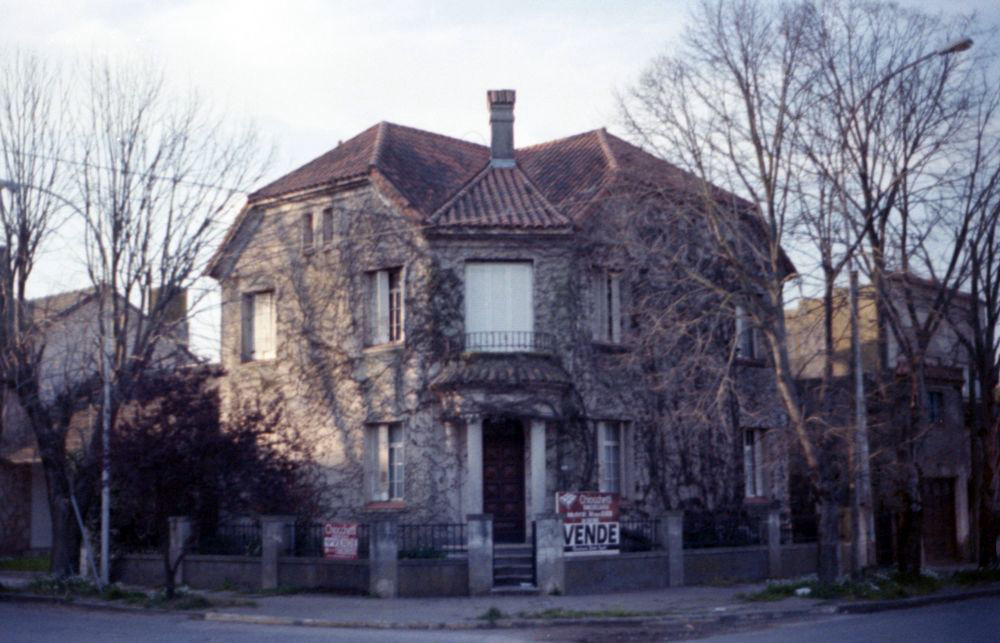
158,175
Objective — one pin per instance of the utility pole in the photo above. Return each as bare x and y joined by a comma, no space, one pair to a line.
862,514
105,445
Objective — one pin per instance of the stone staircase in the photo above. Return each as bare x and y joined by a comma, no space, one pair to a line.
514,569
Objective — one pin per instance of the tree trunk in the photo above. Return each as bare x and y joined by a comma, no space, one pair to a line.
65,533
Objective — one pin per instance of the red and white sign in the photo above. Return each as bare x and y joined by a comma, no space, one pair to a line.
340,540
590,522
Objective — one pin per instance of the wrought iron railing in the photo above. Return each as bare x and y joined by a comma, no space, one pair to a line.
231,539
509,341
639,535
723,529
439,540
306,540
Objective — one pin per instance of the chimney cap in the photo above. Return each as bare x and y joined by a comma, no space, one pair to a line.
500,97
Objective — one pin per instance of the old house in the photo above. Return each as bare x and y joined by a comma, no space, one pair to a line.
456,327
942,449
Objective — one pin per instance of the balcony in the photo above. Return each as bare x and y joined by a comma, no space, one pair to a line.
508,341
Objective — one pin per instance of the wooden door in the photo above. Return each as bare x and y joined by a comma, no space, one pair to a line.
939,518
503,478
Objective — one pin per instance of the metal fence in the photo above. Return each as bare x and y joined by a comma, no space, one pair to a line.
439,540
805,528
639,535
723,529
231,539
306,540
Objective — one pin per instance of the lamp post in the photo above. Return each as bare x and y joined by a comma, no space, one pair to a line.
103,575
862,515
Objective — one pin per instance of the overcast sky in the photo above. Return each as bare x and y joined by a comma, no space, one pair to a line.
311,72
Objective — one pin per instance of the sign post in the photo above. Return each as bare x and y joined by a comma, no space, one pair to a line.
340,540
590,522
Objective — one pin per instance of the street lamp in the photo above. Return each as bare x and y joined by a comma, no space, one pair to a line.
863,536
102,578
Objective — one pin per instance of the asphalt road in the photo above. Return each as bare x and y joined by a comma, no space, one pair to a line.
967,621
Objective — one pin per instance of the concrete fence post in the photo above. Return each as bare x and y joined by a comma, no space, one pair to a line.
479,539
550,568
671,538
774,544
274,542
383,566
180,539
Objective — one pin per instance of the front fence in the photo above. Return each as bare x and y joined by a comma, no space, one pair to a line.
723,529
640,535
306,540
439,540
231,539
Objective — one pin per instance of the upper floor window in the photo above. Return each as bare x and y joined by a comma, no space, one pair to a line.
747,336
606,311
328,226
935,406
499,307
753,463
259,325
307,230
385,461
610,462
385,289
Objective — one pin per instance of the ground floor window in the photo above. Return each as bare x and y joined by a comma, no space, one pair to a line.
385,461
753,462
610,455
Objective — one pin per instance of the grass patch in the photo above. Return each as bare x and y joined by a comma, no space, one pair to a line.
493,614
976,576
76,587
879,587
25,564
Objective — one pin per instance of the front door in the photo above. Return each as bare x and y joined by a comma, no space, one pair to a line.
939,518
503,477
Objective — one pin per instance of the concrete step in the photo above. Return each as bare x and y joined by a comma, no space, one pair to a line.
515,590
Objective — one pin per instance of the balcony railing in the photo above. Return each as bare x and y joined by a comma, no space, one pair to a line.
509,341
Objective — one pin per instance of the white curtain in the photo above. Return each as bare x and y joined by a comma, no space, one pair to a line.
499,306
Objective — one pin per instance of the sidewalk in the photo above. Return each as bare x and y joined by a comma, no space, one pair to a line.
682,607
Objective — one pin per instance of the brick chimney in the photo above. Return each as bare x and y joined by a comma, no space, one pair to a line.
501,103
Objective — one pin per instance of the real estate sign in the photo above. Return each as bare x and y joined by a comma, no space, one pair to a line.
590,522
340,540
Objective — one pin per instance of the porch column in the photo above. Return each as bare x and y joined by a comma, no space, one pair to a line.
537,467
472,499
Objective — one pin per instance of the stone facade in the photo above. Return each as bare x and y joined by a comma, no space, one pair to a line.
447,394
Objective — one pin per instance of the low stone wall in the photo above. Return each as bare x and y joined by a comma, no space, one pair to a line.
799,560
616,573
218,572
725,564
139,569
350,576
437,577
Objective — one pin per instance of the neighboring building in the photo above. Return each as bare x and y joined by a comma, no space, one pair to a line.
68,327
436,318
943,451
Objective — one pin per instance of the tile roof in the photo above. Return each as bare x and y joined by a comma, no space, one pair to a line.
500,197
501,370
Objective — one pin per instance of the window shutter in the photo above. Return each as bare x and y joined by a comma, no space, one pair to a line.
601,465
247,327
263,325
380,307
383,462
740,330
599,302
625,442
614,283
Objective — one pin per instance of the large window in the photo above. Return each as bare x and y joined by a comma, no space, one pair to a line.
753,463
499,309
258,325
386,306
385,462
606,306
747,336
610,452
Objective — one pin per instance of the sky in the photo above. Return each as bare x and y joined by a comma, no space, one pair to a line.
310,73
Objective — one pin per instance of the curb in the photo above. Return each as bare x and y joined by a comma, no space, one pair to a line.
84,603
